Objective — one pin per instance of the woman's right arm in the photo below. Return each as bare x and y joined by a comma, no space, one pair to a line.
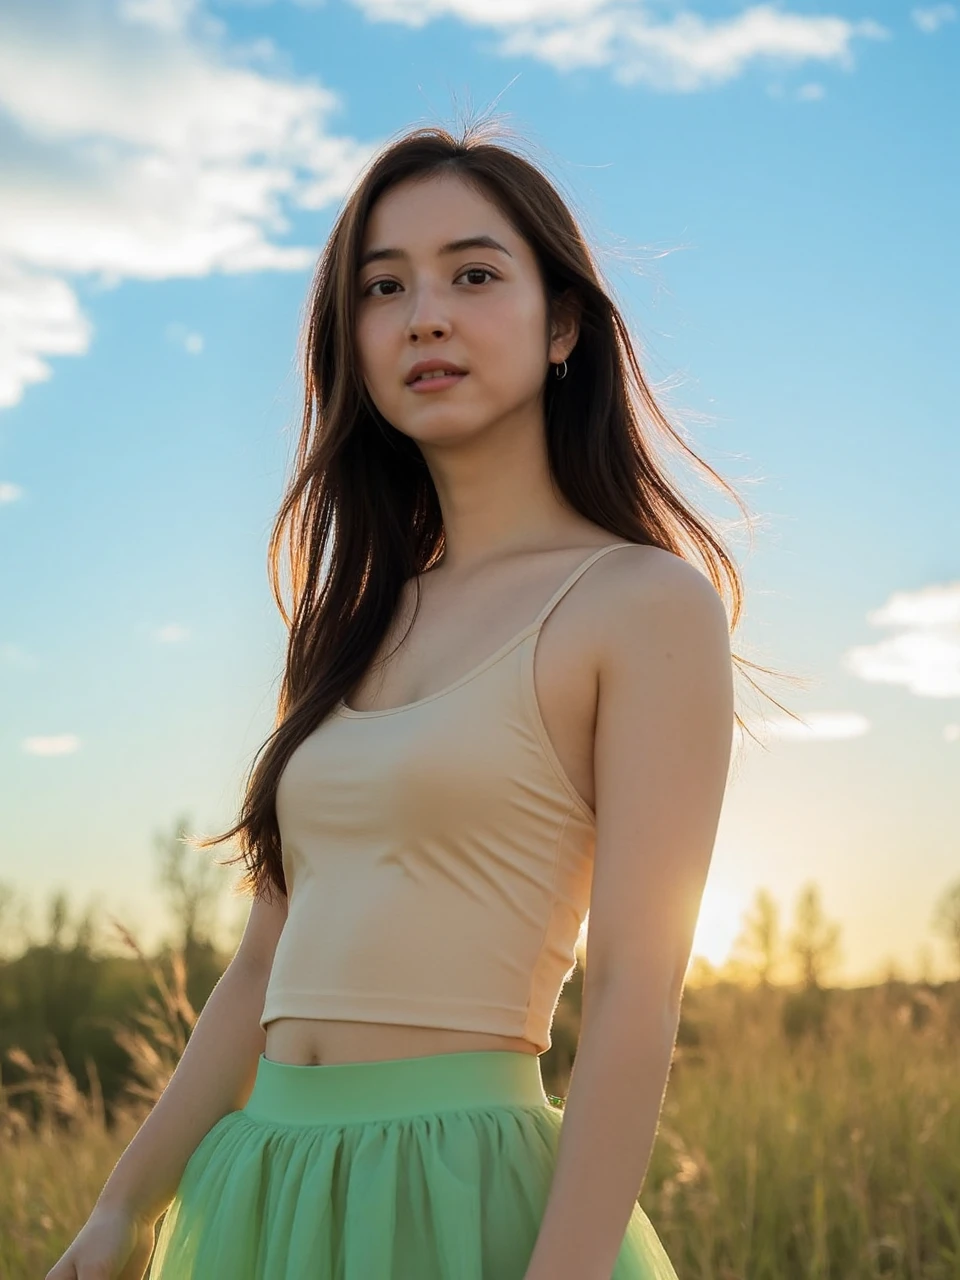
214,1076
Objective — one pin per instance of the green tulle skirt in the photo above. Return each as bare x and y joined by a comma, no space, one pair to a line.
431,1168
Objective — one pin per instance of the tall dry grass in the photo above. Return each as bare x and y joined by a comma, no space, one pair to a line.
797,1142
55,1162
832,1152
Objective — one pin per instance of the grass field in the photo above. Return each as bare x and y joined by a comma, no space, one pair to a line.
804,1135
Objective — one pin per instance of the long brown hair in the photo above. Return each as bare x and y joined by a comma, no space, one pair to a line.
361,496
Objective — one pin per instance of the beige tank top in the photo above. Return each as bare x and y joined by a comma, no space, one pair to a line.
438,860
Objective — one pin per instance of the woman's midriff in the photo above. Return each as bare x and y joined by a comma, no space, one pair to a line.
314,1042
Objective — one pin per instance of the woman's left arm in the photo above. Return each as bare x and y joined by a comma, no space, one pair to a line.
661,757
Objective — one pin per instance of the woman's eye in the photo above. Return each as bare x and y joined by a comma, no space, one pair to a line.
477,271
470,271
369,289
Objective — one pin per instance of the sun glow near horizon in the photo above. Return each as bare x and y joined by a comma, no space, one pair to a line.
721,917
722,910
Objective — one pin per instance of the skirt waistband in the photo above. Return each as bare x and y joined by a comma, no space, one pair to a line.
288,1093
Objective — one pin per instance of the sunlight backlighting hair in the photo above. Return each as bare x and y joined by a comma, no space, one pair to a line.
360,515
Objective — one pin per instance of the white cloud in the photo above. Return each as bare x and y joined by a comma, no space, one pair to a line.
811,92
63,744
682,53
13,655
817,726
9,492
172,633
139,145
505,13
164,15
924,653
937,606
191,342
932,19
262,4
138,142
39,316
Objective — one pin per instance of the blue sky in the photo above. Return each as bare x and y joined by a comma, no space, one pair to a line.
773,194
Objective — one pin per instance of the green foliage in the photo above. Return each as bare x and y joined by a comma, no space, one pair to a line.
946,918
71,1001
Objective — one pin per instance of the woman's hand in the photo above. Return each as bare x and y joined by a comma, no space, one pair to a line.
113,1244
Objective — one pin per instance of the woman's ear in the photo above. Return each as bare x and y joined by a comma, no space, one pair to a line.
565,326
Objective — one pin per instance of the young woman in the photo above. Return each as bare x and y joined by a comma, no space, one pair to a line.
507,698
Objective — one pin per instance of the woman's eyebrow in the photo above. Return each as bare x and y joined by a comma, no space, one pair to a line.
455,246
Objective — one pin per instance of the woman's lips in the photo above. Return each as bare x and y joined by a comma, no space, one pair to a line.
436,384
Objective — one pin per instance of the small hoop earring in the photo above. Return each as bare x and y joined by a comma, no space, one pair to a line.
560,375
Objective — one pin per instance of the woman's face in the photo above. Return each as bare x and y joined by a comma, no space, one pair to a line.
480,307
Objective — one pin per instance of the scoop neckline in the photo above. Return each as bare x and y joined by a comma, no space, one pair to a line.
503,650
469,675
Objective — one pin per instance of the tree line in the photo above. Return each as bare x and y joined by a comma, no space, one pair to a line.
66,993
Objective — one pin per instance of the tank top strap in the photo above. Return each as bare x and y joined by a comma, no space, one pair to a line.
569,581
